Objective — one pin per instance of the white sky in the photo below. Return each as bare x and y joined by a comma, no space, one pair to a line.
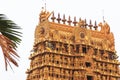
26,14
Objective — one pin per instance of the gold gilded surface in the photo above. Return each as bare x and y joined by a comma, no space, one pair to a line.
70,50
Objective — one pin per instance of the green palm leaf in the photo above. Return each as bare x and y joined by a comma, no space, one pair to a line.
9,40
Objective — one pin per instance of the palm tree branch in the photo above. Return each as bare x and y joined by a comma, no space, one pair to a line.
12,37
10,31
8,52
9,38
9,45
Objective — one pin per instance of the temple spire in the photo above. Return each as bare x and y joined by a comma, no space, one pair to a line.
74,22
95,26
69,20
64,20
53,17
90,24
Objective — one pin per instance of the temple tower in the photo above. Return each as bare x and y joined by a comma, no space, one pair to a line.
72,50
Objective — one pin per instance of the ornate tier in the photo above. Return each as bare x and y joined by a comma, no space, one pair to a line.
72,50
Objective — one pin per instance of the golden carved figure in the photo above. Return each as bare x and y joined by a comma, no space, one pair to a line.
44,15
105,28
81,23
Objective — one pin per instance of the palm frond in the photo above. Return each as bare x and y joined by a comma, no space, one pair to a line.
9,40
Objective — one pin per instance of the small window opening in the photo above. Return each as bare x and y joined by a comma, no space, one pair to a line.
101,52
57,62
84,50
66,47
89,78
95,51
88,64
77,49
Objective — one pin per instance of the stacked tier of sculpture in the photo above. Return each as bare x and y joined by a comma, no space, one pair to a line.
72,50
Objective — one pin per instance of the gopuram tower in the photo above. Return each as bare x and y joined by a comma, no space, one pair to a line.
72,50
